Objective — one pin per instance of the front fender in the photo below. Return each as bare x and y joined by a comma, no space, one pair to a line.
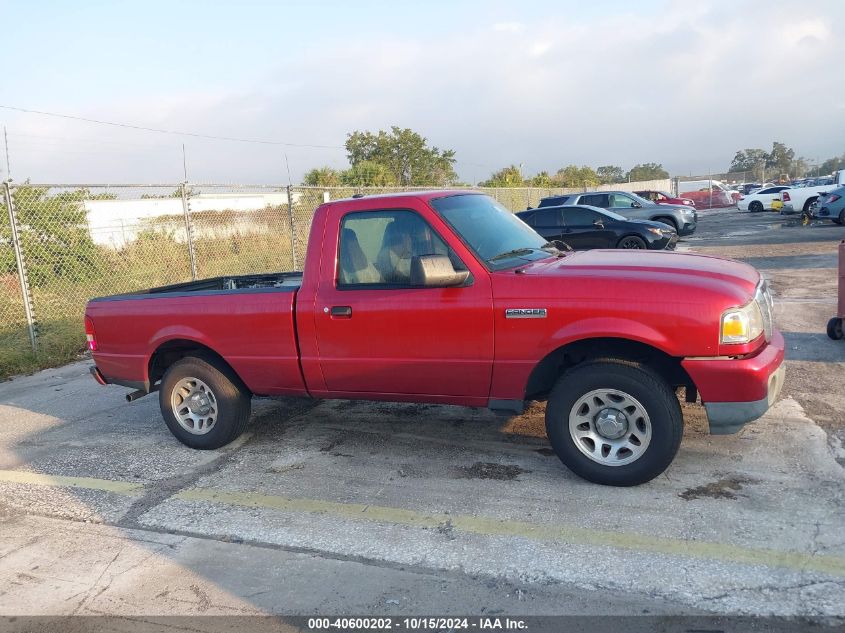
608,327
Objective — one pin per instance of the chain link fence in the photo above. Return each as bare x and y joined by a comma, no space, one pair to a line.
60,245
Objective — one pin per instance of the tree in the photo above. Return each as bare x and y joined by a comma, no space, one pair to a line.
368,173
609,174
780,158
830,165
748,160
574,176
506,177
647,171
543,179
54,234
322,177
405,155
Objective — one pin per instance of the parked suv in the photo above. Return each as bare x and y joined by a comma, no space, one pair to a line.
681,218
583,227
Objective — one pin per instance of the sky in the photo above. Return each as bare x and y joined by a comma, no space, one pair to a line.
543,84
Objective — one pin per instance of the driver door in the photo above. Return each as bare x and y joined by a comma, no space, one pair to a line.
377,334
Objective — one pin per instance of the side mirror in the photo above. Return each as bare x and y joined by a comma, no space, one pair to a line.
598,224
636,205
436,271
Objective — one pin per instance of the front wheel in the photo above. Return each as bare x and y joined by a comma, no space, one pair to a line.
203,404
755,207
631,241
834,329
614,423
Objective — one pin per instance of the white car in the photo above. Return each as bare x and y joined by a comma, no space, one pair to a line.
760,200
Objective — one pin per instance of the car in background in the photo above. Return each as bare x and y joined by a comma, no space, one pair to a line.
707,194
661,197
747,187
831,206
760,200
584,227
801,199
682,218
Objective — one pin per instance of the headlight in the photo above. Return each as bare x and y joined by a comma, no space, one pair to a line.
656,231
742,325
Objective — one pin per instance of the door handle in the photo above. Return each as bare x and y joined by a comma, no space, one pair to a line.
341,312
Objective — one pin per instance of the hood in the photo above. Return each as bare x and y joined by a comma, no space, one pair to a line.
655,268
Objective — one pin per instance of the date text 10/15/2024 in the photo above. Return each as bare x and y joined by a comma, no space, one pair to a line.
416,624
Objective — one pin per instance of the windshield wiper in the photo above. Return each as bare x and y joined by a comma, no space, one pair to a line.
514,253
559,245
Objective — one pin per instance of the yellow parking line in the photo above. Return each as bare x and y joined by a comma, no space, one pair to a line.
560,533
485,526
89,483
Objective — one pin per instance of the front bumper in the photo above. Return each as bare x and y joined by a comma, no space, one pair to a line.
730,417
688,228
736,391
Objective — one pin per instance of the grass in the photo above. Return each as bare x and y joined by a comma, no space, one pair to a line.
155,259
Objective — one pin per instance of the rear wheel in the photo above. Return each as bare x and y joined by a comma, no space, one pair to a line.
841,218
203,404
631,241
755,207
834,329
614,423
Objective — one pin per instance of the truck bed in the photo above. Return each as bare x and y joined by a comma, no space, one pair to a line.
285,281
248,319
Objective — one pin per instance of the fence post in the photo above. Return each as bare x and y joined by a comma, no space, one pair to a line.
23,278
189,231
293,257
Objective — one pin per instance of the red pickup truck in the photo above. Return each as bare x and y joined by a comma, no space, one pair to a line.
446,297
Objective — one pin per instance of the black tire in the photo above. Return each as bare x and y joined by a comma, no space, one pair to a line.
834,329
631,241
809,204
639,382
840,219
231,402
668,221
755,207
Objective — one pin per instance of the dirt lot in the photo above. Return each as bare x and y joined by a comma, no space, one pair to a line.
356,508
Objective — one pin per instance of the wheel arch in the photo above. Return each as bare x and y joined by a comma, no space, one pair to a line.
542,378
666,219
809,201
175,349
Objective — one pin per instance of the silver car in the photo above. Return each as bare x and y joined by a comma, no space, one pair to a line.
681,218
830,205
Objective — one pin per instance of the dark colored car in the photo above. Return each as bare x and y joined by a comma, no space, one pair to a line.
584,227
682,218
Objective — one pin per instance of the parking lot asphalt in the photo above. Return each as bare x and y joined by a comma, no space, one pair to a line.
355,508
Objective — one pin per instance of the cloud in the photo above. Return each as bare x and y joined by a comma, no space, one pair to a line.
509,27
686,86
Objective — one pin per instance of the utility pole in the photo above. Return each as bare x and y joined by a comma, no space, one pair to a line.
184,164
6,139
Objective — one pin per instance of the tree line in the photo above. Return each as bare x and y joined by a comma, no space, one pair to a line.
401,157
781,161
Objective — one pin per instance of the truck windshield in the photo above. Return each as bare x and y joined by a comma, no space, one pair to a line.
495,234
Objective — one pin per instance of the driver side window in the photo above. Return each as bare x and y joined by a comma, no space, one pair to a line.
376,248
621,200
